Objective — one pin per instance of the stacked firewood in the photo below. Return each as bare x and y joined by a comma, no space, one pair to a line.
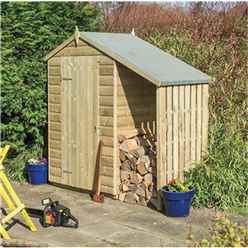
138,168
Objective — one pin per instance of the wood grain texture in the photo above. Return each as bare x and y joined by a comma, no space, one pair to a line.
106,123
198,121
169,138
54,80
105,60
175,103
54,119
107,171
181,127
54,70
80,43
95,96
106,70
73,126
205,116
134,109
53,126
54,61
136,104
54,99
55,154
55,108
106,80
55,135
161,137
187,126
107,111
79,110
55,172
54,89
193,123
78,51
186,109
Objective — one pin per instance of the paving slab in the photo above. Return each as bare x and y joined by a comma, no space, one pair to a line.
112,223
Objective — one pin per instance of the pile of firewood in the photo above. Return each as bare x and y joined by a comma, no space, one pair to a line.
138,169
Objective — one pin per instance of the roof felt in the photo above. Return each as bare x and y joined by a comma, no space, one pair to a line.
145,59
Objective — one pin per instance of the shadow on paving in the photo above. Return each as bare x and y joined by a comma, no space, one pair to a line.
109,224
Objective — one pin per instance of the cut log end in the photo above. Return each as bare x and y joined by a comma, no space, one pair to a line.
138,169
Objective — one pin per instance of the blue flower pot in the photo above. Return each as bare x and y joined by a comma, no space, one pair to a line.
37,173
177,204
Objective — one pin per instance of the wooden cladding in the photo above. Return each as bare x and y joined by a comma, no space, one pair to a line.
136,101
182,126
54,119
81,50
79,118
106,123
92,97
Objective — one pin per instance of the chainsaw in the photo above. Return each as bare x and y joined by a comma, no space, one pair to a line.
54,214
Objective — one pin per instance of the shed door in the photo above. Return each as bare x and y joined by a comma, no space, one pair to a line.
79,108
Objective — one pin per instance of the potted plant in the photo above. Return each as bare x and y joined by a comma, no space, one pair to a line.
37,171
177,198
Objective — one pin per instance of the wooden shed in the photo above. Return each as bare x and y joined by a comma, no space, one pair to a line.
101,85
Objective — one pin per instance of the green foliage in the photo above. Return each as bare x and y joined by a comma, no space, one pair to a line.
226,234
243,211
178,186
29,31
227,65
221,178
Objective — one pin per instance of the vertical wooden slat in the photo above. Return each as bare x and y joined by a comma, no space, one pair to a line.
63,128
204,118
86,116
49,123
94,103
69,127
79,124
90,116
66,82
193,123
94,128
181,131
175,132
77,174
154,127
187,126
198,121
161,137
90,120
83,121
68,120
116,162
74,124
169,109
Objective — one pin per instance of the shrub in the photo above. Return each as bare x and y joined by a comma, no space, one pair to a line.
29,31
226,234
221,178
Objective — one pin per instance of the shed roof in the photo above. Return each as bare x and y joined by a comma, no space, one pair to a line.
145,59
